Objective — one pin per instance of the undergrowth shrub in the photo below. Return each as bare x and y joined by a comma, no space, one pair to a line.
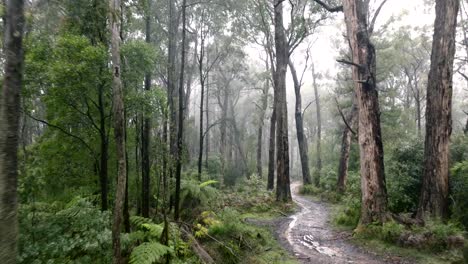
77,232
196,196
459,186
404,170
147,235
350,214
239,239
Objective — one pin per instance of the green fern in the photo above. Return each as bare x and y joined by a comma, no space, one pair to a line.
154,230
194,194
210,182
149,253
139,220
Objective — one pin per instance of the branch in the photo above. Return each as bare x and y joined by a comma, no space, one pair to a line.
343,117
329,8
463,75
349,63
61,130
372,24
303,112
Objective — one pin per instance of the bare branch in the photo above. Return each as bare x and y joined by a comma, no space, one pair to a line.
376,14
343,117
349,63
329,8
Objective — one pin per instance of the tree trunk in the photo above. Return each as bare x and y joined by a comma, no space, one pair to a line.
119,127
318,170
261,123
172,93
283,190
145,136
180,130
104,145
207,110
435,185
9,120
418,110
301,138
271,149
201,58
345,148
373,186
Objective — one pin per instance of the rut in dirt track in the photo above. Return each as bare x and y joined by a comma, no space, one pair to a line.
312,240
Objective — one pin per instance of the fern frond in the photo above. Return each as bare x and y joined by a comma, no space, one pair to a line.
153,229
210,182
149,252
138,221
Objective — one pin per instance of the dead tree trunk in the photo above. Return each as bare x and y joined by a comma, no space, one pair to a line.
373,186
301,138
345,148
9,120
283,190
119,127
435,186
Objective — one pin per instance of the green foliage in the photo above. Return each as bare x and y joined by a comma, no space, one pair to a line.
404,170
194,196
149,253
459,186
350,214
389,232
77,232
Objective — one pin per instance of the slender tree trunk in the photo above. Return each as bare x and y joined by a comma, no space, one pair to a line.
345,149
318,171
283,190
9,120
418,110
126,212
374,192
435,185
301,138
223,136
271,143
261,123
180,135
207,111
119,127
202,101
145,137
172,90
104,145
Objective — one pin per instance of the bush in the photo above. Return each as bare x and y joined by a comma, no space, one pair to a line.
350,215
459,185
77,232
404,170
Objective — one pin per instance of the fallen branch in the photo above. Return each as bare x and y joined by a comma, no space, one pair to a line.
197,247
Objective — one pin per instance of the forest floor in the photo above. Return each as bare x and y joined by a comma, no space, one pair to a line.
309,235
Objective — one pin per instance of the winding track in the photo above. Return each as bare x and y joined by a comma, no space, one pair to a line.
312,240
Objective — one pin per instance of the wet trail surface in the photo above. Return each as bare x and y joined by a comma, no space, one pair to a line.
310,237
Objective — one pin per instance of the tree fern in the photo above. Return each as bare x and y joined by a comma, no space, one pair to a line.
149,253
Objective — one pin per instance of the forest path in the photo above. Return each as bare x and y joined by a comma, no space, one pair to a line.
311,238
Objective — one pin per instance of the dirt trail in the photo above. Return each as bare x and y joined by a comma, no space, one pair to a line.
312,240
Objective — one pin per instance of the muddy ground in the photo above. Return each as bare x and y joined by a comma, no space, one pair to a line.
309,236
